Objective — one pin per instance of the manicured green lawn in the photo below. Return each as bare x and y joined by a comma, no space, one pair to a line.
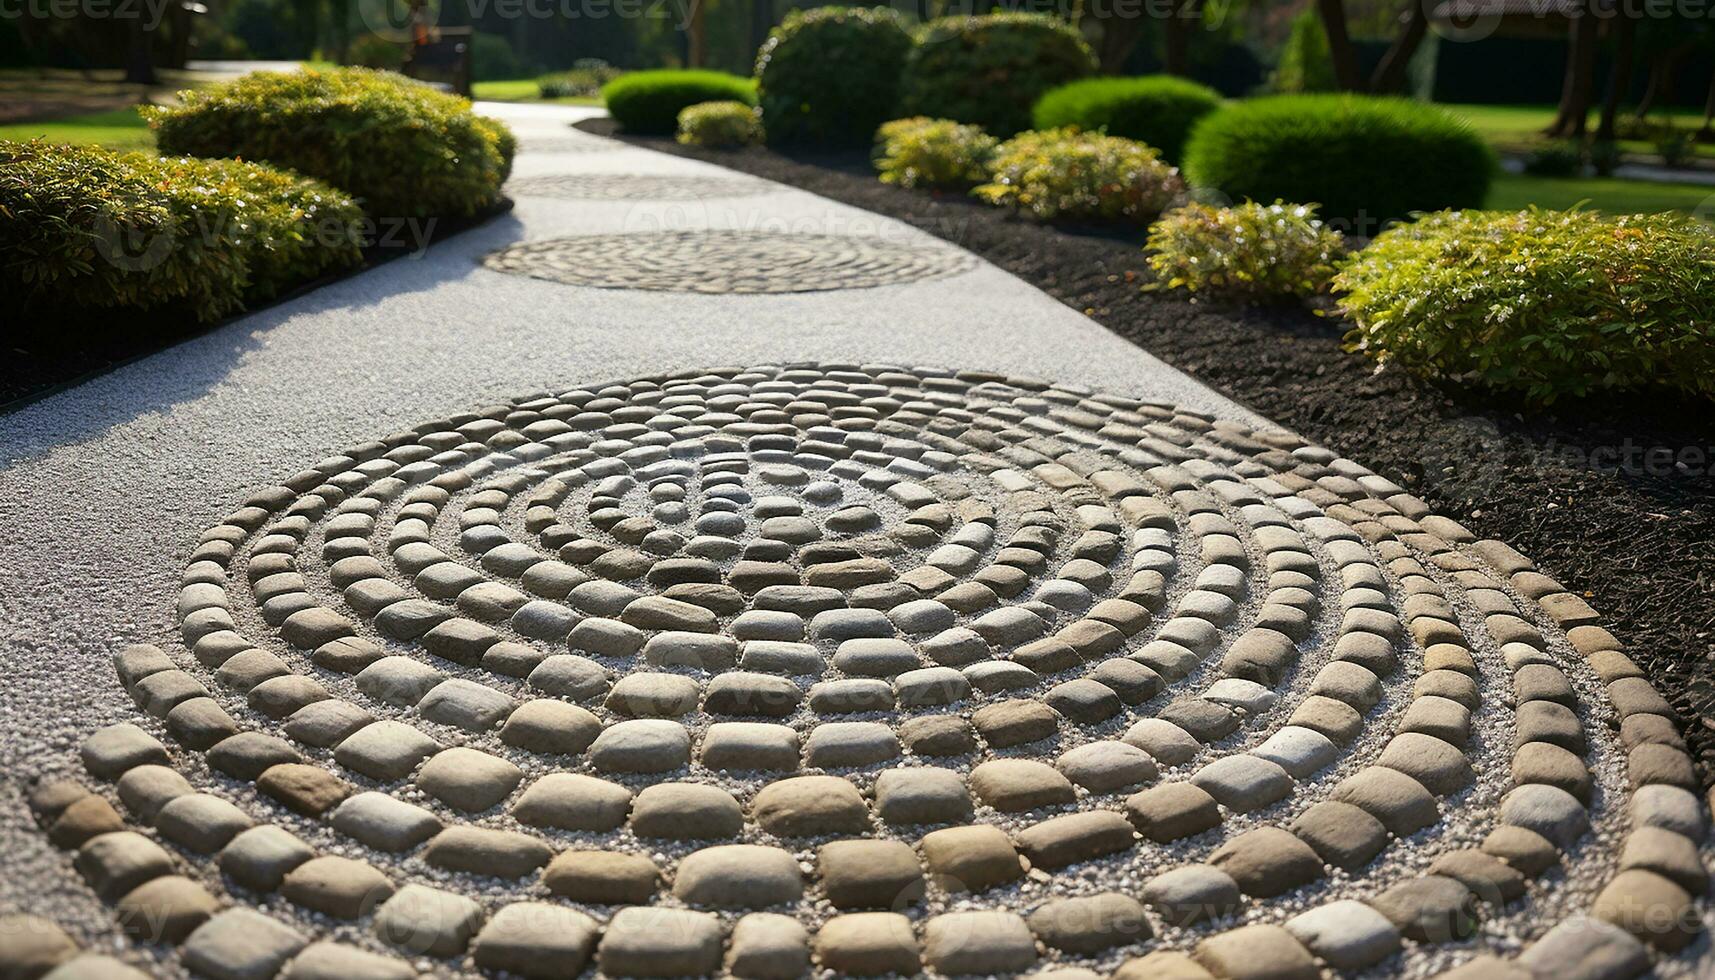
1513,126
1513,191
117,129
520,90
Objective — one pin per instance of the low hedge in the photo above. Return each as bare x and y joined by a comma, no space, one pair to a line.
919,152
830,76
85,228
1369,160
1064,174
990,70
649,102
719,125
1250,253
1548,303
1155,109
401,148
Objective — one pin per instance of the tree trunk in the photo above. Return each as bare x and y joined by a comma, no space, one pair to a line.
1573,115
1389,76
1340,50
1660,84
1620,81
140,54
696,38
1176,44
1119,36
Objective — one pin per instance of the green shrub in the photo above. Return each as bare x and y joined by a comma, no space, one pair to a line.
919,152
720,125
85,228
582,81
1554,158
491,56
1305,62
1251,253
990,70
1369,160
1062,173
374,51
1545,302
1155,109
830,76
649,102
400,147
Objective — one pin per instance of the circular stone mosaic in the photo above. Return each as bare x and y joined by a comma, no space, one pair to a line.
635,187
880,670
745,262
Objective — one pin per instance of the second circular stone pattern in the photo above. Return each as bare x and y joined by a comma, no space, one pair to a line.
900,669
658,187
723,262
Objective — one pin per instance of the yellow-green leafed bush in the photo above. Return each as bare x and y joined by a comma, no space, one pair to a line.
921,152
1250,253
85,228
401,148
1548,303
1066,174
720,125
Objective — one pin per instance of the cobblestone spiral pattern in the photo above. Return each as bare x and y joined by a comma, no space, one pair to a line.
897,669
730,262
634,187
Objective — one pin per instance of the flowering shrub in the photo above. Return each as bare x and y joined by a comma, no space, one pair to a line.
1548,303
1155,109
1063,173
720,125
400,147
921,152
84,228
1252,252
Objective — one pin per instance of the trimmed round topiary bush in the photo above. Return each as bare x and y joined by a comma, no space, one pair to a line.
400,147
649,102
720,125
829,76
1548,303
1155,109
919,152
1369,160
82,228
1065,174
990,70
1250,253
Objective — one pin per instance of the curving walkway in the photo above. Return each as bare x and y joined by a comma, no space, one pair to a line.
687,574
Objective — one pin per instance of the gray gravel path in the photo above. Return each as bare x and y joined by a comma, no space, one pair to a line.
104,488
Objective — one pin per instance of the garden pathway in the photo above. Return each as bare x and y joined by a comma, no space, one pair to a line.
1315,724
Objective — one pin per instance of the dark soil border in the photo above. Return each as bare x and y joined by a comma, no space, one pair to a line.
48,351
1591,489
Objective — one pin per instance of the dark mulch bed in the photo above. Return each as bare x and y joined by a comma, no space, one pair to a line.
1582,489
45,351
